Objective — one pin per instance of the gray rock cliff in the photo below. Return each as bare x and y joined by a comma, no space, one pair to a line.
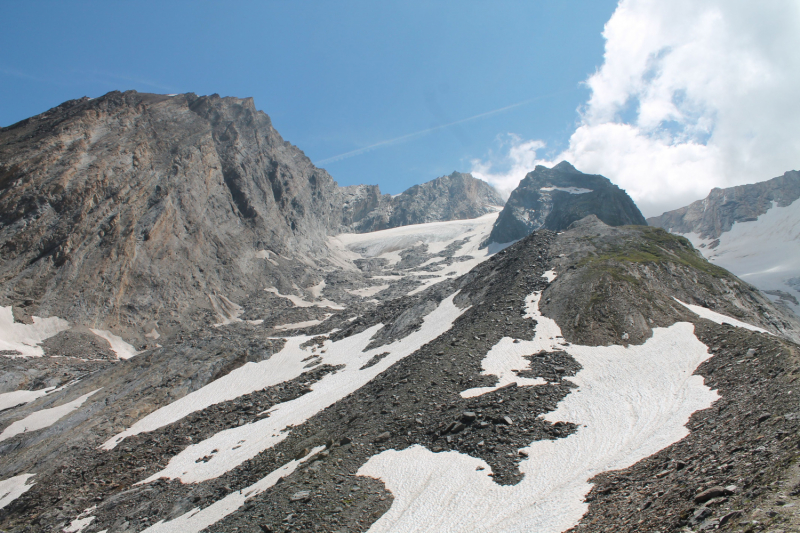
554,198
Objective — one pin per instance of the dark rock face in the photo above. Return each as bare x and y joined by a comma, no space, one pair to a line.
555,198
714,215
134,205
454,197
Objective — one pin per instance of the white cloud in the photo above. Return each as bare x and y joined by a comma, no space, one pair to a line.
691,95
504,171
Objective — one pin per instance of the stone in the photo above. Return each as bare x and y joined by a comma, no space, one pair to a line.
713,492
301,495
383,437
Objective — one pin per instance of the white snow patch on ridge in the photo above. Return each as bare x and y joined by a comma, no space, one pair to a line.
14,487
43,418
118,344
197,520
25,338
236,445
571,190
631,402
719,318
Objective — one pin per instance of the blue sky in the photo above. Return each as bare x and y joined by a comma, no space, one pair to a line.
335,77
667,98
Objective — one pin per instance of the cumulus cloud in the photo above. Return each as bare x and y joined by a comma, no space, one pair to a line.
691,95
505,169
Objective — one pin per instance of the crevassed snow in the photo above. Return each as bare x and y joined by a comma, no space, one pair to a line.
197,520
299,302
571,190
20,397
25,338
43,418
631,402
719,318
14,487
234,446
764,252
118,345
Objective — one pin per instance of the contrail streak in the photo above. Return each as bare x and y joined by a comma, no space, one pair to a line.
420,133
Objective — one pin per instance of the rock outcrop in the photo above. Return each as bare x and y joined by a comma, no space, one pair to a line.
554,198
454,197
138,205
717,212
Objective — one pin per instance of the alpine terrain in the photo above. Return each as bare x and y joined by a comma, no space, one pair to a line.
751,230
202,331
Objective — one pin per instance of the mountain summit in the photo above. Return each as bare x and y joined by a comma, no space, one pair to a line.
554,198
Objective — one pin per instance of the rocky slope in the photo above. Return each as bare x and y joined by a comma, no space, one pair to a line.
460,387
751,230
555,198
146,215
454,197
137,211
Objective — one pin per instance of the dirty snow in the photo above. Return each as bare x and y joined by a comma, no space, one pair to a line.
719,318
14,487
20,397
571,190
197,520
25,338
266,254
764,252
43,418
236,445
118,345
630,403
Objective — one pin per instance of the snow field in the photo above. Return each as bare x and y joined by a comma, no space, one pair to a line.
25,338
14,487
719,318
118,345
764,252
630,403
197,519
43,418
230,448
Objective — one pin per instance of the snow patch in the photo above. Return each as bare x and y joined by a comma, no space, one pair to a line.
118,345
237,445
266,254
25,338
299,302
719,318
21,397
367,291
14,487
571,190
631,402
78,525
43,418
298,325
197,520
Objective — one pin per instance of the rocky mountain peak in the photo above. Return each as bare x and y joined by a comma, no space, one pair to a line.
554,198
458,196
